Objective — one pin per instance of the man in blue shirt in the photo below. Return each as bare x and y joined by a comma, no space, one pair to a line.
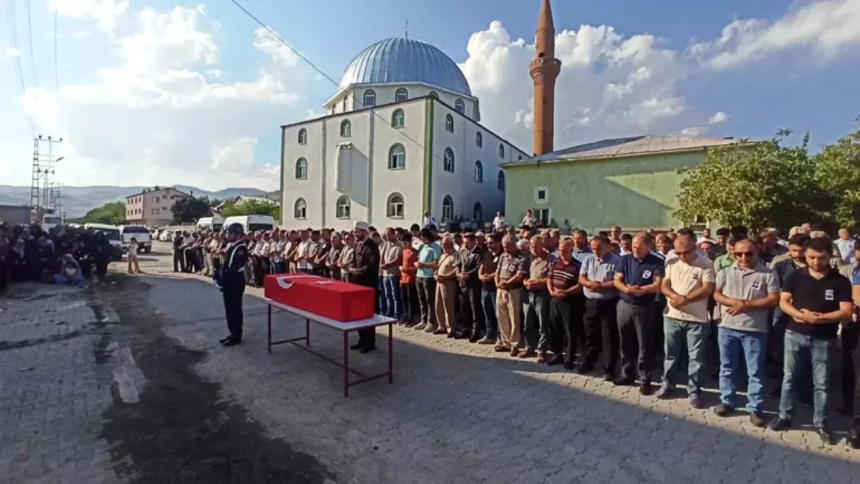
601,300
638,278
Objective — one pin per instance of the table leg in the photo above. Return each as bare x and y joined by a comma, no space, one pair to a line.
390,353
270,327
346,364
307,332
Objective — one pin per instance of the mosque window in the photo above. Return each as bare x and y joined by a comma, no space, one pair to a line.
303,136
397,157
447,208
345,129
395,205
449,123
369,98
500,183
478,212
460,106
479,140
401,95
398,118
343,206
448,160
501,150
302,169
479,172
300,210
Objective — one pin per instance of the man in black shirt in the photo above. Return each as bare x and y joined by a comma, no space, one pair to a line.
365,272
471,257
816,299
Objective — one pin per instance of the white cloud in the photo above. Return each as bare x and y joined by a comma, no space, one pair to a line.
828,27
268,43
610,85
13,52
693,131
718,117
160,116
104,12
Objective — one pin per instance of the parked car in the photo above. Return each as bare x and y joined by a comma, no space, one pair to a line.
139,233
251,223
165,236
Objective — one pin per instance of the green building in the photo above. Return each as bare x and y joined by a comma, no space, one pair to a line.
631,182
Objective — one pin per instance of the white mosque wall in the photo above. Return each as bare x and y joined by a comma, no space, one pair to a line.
386,94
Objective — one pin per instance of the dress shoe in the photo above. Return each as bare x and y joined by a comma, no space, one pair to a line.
555,360
824,434
584,369
233,341
527,353
854,438
645,388
439,331
696,401
224,340
608,377
757,419
515,351
486,340
462,335
501,349
779,425
357,346
664,392
367,348
623,381
723,410
474,338
541,357
569,365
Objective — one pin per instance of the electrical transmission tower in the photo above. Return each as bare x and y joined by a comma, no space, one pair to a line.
44,159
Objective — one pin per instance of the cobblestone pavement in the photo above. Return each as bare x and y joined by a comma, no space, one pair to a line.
456,413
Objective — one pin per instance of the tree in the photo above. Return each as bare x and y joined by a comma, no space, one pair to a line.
838,177
252,207
761,185
111,213
189,210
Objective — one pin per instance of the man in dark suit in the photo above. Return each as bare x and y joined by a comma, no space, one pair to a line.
230,278
365,272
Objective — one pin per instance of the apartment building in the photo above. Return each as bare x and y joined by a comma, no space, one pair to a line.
151,207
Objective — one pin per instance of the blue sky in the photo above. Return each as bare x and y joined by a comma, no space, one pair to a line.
167,92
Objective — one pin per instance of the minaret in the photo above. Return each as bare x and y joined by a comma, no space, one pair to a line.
544,69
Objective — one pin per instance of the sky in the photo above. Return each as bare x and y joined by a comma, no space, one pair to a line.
160,92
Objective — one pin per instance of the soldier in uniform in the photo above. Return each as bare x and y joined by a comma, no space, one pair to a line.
365,272
231,280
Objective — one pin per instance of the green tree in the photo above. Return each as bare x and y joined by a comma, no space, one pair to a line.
762,185
189,210
838,176
111,213
252,207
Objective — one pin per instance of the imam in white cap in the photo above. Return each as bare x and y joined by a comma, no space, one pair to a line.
360,224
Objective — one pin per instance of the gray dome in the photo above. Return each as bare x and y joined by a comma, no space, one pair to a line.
399,60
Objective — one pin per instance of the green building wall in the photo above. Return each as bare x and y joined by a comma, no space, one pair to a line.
634,192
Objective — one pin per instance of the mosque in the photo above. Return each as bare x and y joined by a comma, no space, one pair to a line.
402,137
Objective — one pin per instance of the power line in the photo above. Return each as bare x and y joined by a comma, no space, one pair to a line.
326,76
56,69
12,29
30,44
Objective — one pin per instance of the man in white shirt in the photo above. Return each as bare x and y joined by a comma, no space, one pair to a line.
499,222
302,253
430,220
846,246
529,220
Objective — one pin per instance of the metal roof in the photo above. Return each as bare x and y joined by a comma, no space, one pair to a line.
401,60
632,146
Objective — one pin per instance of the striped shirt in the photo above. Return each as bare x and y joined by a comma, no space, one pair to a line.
565,274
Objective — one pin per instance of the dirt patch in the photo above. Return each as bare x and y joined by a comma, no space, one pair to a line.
181,431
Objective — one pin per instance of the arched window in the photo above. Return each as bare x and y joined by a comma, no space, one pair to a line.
397,157
303,136
345,129
500,183
448,160
460,106
398,118
301,209
301,169
449,123
478,212
447,208
369,98
501,150
401,95
479,140
395,205
343,206
479,172
434,95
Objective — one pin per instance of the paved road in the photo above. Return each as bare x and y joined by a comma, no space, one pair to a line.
126,383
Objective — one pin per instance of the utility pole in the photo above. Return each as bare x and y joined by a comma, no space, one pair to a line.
44,160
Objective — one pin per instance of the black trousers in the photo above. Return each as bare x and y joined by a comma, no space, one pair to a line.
636,331
566,316
427,299
850,358
471,309
190,260
409,297
233,309
178,260
601,333
368,336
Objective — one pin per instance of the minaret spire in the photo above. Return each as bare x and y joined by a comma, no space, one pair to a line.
544,69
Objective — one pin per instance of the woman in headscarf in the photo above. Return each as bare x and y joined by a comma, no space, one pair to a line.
70,272
17,259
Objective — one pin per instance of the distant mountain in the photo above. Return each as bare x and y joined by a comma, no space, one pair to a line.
79,200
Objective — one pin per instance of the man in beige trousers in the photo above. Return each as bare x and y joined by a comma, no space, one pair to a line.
510,274
446,288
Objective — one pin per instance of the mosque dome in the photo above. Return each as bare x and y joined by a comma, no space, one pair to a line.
401,60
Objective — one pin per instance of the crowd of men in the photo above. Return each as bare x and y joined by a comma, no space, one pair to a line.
62,255
740,307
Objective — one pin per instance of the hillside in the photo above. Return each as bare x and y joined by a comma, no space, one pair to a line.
79,200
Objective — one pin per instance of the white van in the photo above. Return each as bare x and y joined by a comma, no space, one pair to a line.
112,234
49,221
251,223
139,233
210,223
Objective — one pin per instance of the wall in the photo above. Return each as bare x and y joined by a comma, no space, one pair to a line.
15,215
385,94
461,184
633,192
143,209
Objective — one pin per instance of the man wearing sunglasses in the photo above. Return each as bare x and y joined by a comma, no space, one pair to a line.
746,291
688,284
